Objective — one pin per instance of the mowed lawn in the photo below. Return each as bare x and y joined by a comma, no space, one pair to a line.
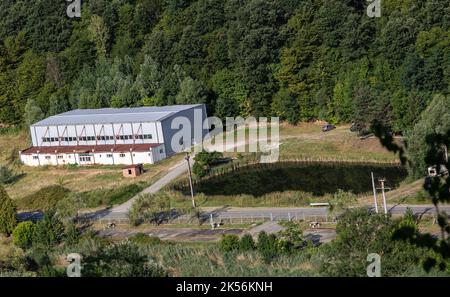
77,179
307,141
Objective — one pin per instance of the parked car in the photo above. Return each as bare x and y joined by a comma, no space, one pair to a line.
328,127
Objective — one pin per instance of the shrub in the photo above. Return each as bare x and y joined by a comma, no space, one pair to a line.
267,246
8,219
229,242
23,234
291,238
69,205
122,194
144,239
360,232
120,260
44,199
203,162
39,257
72,234
247,243
150,208
110,197
341,201
6,175
49,231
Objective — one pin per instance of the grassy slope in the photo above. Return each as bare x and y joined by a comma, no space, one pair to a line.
308,141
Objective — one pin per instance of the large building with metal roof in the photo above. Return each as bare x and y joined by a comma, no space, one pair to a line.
113,135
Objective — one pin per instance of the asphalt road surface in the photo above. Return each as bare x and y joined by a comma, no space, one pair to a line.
276,213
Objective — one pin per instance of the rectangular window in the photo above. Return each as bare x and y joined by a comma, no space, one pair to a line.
122,155
60,156
85,159
47,157
109,155
35,157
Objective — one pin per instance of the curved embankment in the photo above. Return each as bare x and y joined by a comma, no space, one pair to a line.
311,177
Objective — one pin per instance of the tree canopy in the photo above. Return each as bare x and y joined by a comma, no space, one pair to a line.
300,60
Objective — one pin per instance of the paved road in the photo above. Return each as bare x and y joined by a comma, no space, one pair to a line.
173,234
277,213
306,213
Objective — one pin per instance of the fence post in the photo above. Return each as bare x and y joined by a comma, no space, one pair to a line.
271,217
289,216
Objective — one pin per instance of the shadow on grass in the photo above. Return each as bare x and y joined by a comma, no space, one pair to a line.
315,178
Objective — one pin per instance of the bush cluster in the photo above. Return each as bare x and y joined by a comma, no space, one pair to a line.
269,246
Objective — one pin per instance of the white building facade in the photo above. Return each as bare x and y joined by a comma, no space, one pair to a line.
109,136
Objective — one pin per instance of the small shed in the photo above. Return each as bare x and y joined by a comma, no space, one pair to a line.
133,170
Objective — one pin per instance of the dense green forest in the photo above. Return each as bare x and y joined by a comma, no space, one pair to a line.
298,59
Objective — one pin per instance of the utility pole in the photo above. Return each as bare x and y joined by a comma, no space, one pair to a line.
383,188
374,193
187,158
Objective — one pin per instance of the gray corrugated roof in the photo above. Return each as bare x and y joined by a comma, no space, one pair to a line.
114,115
